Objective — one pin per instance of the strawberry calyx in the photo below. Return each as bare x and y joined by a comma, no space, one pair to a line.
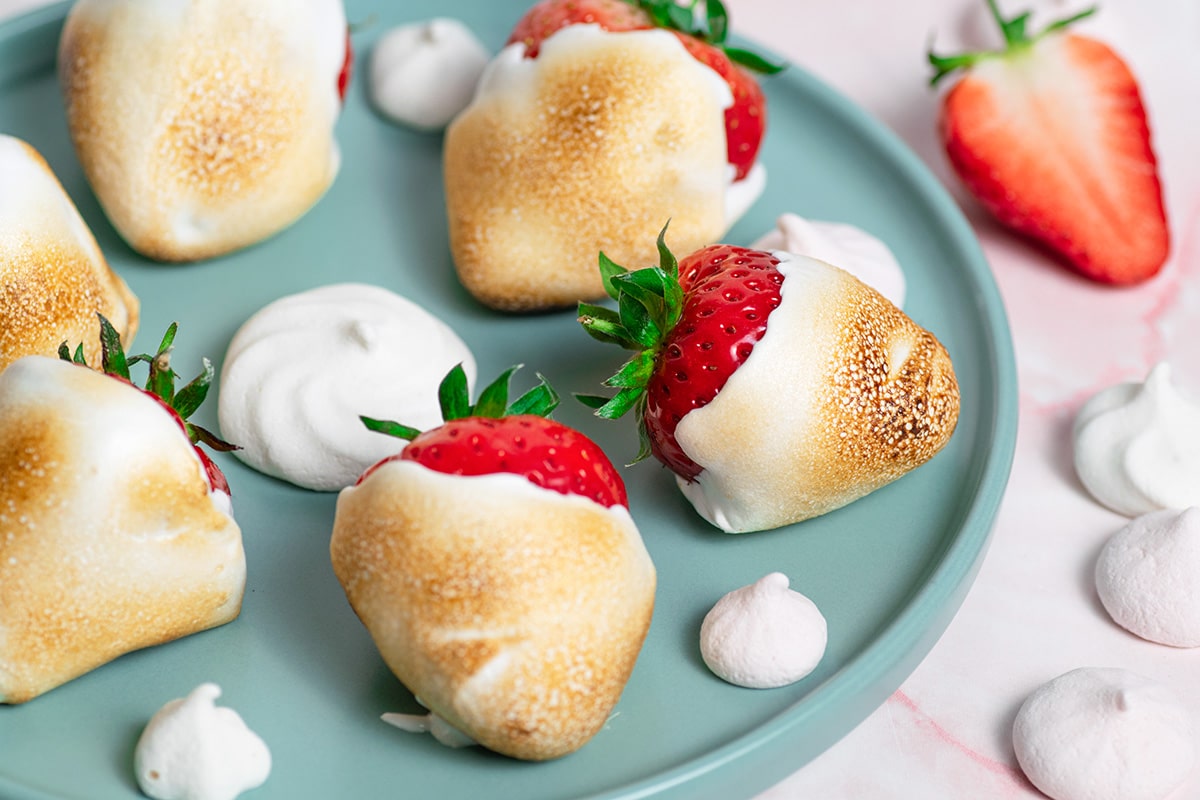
707,21
455,401
160,385
649,305
495,436
1016,39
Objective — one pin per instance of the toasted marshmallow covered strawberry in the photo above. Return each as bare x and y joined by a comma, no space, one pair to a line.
775,386
53,278
703,36
495,564
204,127
115,530
614,124
1052,137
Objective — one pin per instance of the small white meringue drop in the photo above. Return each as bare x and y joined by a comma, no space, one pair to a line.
1104,734
193,750
764,635
846,246
1148,577
424,74
1137,446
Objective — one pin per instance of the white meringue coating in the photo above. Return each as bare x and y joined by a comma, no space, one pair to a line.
1104,734
764,635
1137,446
303,369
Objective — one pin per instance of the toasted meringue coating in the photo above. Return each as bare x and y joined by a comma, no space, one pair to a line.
591,146
843,394
516,617
110,538
203,126
53,277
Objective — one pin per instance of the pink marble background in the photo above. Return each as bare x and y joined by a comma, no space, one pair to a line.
1033,613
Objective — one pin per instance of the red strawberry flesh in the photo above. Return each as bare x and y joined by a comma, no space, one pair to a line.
543,19
547,453
1051,137
729,292
343,79
745,120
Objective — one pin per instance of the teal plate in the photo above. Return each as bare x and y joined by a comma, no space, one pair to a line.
888,572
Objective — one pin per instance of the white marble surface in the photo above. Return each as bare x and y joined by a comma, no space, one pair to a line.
1033,612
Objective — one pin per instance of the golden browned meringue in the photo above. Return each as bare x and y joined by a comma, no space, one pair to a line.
110,537
203,127
843,394
590,147
515,617
53,278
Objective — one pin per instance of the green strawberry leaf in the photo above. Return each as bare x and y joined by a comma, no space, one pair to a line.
389,428
453,395
190,397
754,62
455,402
538,401
112,353
198,434
639,321
1016,38
493,400
609,269
633,373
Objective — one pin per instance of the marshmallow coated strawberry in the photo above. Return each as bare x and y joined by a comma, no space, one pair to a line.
1051,135
115,532
704,36
496,566
204,127
775,386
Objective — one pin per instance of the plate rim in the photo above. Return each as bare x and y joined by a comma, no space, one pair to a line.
909,635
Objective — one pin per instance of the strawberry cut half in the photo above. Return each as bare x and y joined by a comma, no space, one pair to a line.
692,324
495,436
160,385
1051,136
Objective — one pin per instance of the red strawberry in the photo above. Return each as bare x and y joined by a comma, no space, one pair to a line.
726,295
160,385
343,80
548,16
493,436
745,120
1051,136
845,395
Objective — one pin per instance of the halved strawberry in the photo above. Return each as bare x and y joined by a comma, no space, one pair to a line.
494,436
160,385
704,36
694,322
1051,136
